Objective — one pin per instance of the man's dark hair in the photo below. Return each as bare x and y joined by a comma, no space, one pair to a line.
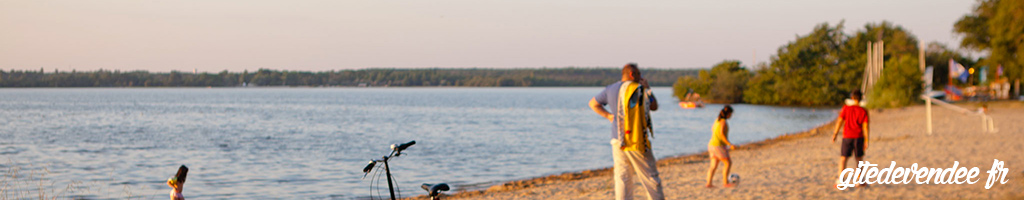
631,68
856,95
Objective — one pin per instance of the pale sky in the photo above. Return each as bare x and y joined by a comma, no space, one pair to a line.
308,35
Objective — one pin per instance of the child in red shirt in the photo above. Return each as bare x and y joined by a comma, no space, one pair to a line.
853,119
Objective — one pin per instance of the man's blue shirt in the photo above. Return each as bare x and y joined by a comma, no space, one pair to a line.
610,96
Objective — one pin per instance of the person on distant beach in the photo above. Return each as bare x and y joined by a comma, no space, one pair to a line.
631,100
177,182
853,120
719,146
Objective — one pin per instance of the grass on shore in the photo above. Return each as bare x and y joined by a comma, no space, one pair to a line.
18,183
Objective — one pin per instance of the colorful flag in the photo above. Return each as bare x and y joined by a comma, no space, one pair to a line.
963,75
955,69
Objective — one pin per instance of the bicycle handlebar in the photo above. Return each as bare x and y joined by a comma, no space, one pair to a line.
369,166
402,147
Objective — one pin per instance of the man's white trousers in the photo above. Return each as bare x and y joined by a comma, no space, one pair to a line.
635,164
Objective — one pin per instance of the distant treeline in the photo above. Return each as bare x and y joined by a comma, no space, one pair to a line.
363,77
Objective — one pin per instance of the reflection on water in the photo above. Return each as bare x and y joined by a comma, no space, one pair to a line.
311,143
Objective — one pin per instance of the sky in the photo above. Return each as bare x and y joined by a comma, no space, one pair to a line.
321,35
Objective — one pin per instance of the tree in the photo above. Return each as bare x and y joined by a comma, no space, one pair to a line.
724,83
900,45
996,26
801,72
174,79
824,66
898,85
699,84
760,86
729,79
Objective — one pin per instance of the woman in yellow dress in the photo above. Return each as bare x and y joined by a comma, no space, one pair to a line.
719,146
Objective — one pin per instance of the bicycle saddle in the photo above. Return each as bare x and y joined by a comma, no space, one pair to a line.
434,189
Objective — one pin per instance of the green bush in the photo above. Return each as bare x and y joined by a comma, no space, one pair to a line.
900,84
723,84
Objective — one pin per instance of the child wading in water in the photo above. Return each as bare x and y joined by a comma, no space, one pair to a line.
719,146
178,183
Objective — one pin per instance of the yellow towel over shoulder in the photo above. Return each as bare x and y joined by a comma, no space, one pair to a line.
635,117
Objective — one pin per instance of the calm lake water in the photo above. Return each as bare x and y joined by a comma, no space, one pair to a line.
312,143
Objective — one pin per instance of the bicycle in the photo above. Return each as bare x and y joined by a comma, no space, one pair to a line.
433,190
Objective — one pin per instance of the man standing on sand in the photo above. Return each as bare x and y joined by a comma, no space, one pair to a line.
853,119
630,157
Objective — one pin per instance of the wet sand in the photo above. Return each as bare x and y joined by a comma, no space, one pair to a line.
803,165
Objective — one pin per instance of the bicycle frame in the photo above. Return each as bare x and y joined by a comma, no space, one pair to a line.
396,150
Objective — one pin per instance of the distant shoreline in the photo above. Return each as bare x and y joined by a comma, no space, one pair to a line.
255,87
568,76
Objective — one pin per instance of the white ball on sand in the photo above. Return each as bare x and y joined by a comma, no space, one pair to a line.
734,178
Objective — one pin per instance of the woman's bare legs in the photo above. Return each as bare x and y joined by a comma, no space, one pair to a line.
711,171
725,172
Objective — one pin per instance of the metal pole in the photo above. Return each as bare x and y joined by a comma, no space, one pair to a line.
875,59
984,124
871,70
920,63
867,69
387,170
992,125
928,110
881,58
920,58
874,67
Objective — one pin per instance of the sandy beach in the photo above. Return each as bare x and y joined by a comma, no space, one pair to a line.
802,165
